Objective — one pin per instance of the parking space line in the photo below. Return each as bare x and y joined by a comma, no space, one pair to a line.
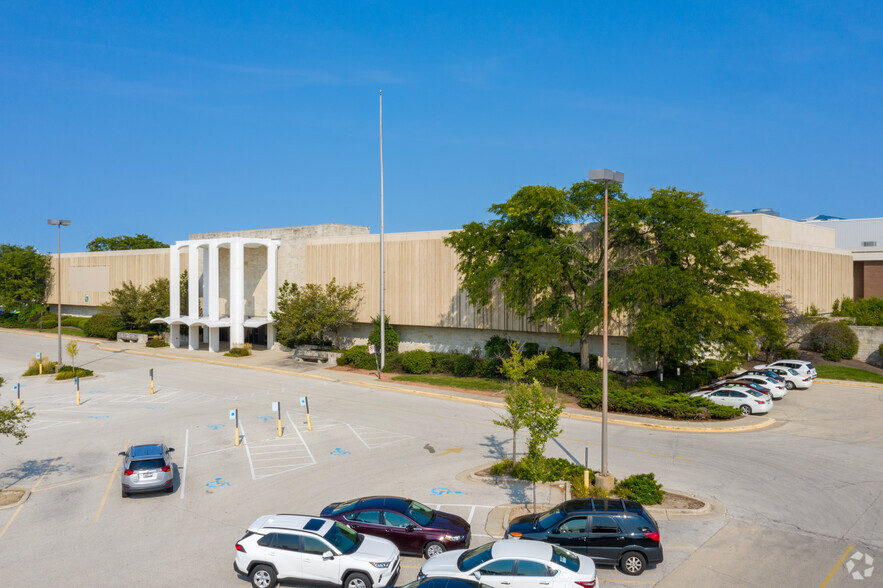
69,483
301,437
358,436
15,514
247,451
836,566
186,447
109,483
471,514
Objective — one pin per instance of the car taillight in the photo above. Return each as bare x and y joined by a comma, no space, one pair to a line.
516,534
590,584
654,535
167,468
240,548
128,472
760,401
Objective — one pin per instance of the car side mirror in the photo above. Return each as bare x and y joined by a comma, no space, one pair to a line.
410,527
123,453
171,449
477,575
328,555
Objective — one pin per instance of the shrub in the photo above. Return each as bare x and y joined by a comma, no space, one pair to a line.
67,373
502,467
546,469
868,312
788,353
488,368
417,361
497,347
34,366
530,349
393,362
880,349
240,351
442,362
834,340
103,325
464,366
390,336
561,360
642,488
358,357
157,342
74,321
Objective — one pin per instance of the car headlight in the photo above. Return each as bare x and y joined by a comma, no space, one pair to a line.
421,575
454,537
381,564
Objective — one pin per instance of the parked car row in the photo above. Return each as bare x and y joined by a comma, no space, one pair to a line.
358,544
753,391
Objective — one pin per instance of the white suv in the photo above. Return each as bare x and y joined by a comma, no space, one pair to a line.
315,551
803,368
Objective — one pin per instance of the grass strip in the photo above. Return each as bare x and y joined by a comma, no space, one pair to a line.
839,372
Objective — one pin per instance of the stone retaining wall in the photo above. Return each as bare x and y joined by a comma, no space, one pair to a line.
869,340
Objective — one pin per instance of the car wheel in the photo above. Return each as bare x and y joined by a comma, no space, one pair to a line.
433,548
170,489
789,384
745,409
125,494
632,563
263,577
357,580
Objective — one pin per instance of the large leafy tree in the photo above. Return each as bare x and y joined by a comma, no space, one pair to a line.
24,276
121,242
136,306
541,256
311,313
688,279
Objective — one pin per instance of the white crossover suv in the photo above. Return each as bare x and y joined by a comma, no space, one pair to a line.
313,550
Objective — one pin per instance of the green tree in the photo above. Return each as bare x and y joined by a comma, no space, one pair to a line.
517,365
25,275
390,335
541,255
310,314
686,278
122,242
73,350
522,400
137,306
13,422
517,413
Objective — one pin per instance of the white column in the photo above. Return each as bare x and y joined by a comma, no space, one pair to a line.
272,290
193,293
237,292
174,294
210,299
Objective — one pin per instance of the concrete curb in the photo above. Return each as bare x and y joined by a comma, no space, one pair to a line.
22,500
852,383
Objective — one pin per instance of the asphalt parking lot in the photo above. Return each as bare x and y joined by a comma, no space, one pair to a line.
805,490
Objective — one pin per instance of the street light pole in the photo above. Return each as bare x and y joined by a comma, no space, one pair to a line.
59,223
607,177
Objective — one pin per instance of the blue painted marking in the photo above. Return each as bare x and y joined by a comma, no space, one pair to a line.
339,451
155,407
215,427
217,483
440,491
96,391
106,416
264,418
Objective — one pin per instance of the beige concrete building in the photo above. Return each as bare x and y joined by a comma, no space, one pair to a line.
423,297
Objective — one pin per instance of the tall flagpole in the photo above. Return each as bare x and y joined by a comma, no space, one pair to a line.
382,313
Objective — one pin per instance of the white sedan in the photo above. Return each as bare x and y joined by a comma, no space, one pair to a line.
745,399
793,379
511,563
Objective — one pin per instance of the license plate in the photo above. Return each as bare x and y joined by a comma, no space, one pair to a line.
148,476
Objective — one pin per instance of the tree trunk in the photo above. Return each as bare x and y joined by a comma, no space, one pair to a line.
513,448
584,362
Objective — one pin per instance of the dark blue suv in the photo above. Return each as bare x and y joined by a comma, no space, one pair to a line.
610,531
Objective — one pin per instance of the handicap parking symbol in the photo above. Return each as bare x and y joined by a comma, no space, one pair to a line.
264,418
104,416
217,483
339,451
155,407
441,491
215,427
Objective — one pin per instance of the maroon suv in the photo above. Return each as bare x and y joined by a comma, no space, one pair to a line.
413,527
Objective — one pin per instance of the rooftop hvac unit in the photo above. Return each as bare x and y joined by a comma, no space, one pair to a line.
768,211
735,212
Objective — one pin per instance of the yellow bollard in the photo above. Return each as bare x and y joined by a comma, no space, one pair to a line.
279,422
78,397
236,441
151,386
309,423
586,479
18,402
41,368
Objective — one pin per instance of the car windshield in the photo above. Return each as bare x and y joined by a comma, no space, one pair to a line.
343,538
148,464
474,557
549,518
565,558
421,513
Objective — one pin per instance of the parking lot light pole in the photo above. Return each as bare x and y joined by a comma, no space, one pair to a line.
59,223
607,177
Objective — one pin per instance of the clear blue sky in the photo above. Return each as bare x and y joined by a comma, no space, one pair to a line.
174,118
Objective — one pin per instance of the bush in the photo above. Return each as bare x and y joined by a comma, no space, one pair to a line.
442,363
358,357
498,347
834,340
464,366
103,325
157,342
488,368
417,361
67,373
788,353
868,312
530,349
34,366
558,359
642,488
389,334
546,469
74,321
240,351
